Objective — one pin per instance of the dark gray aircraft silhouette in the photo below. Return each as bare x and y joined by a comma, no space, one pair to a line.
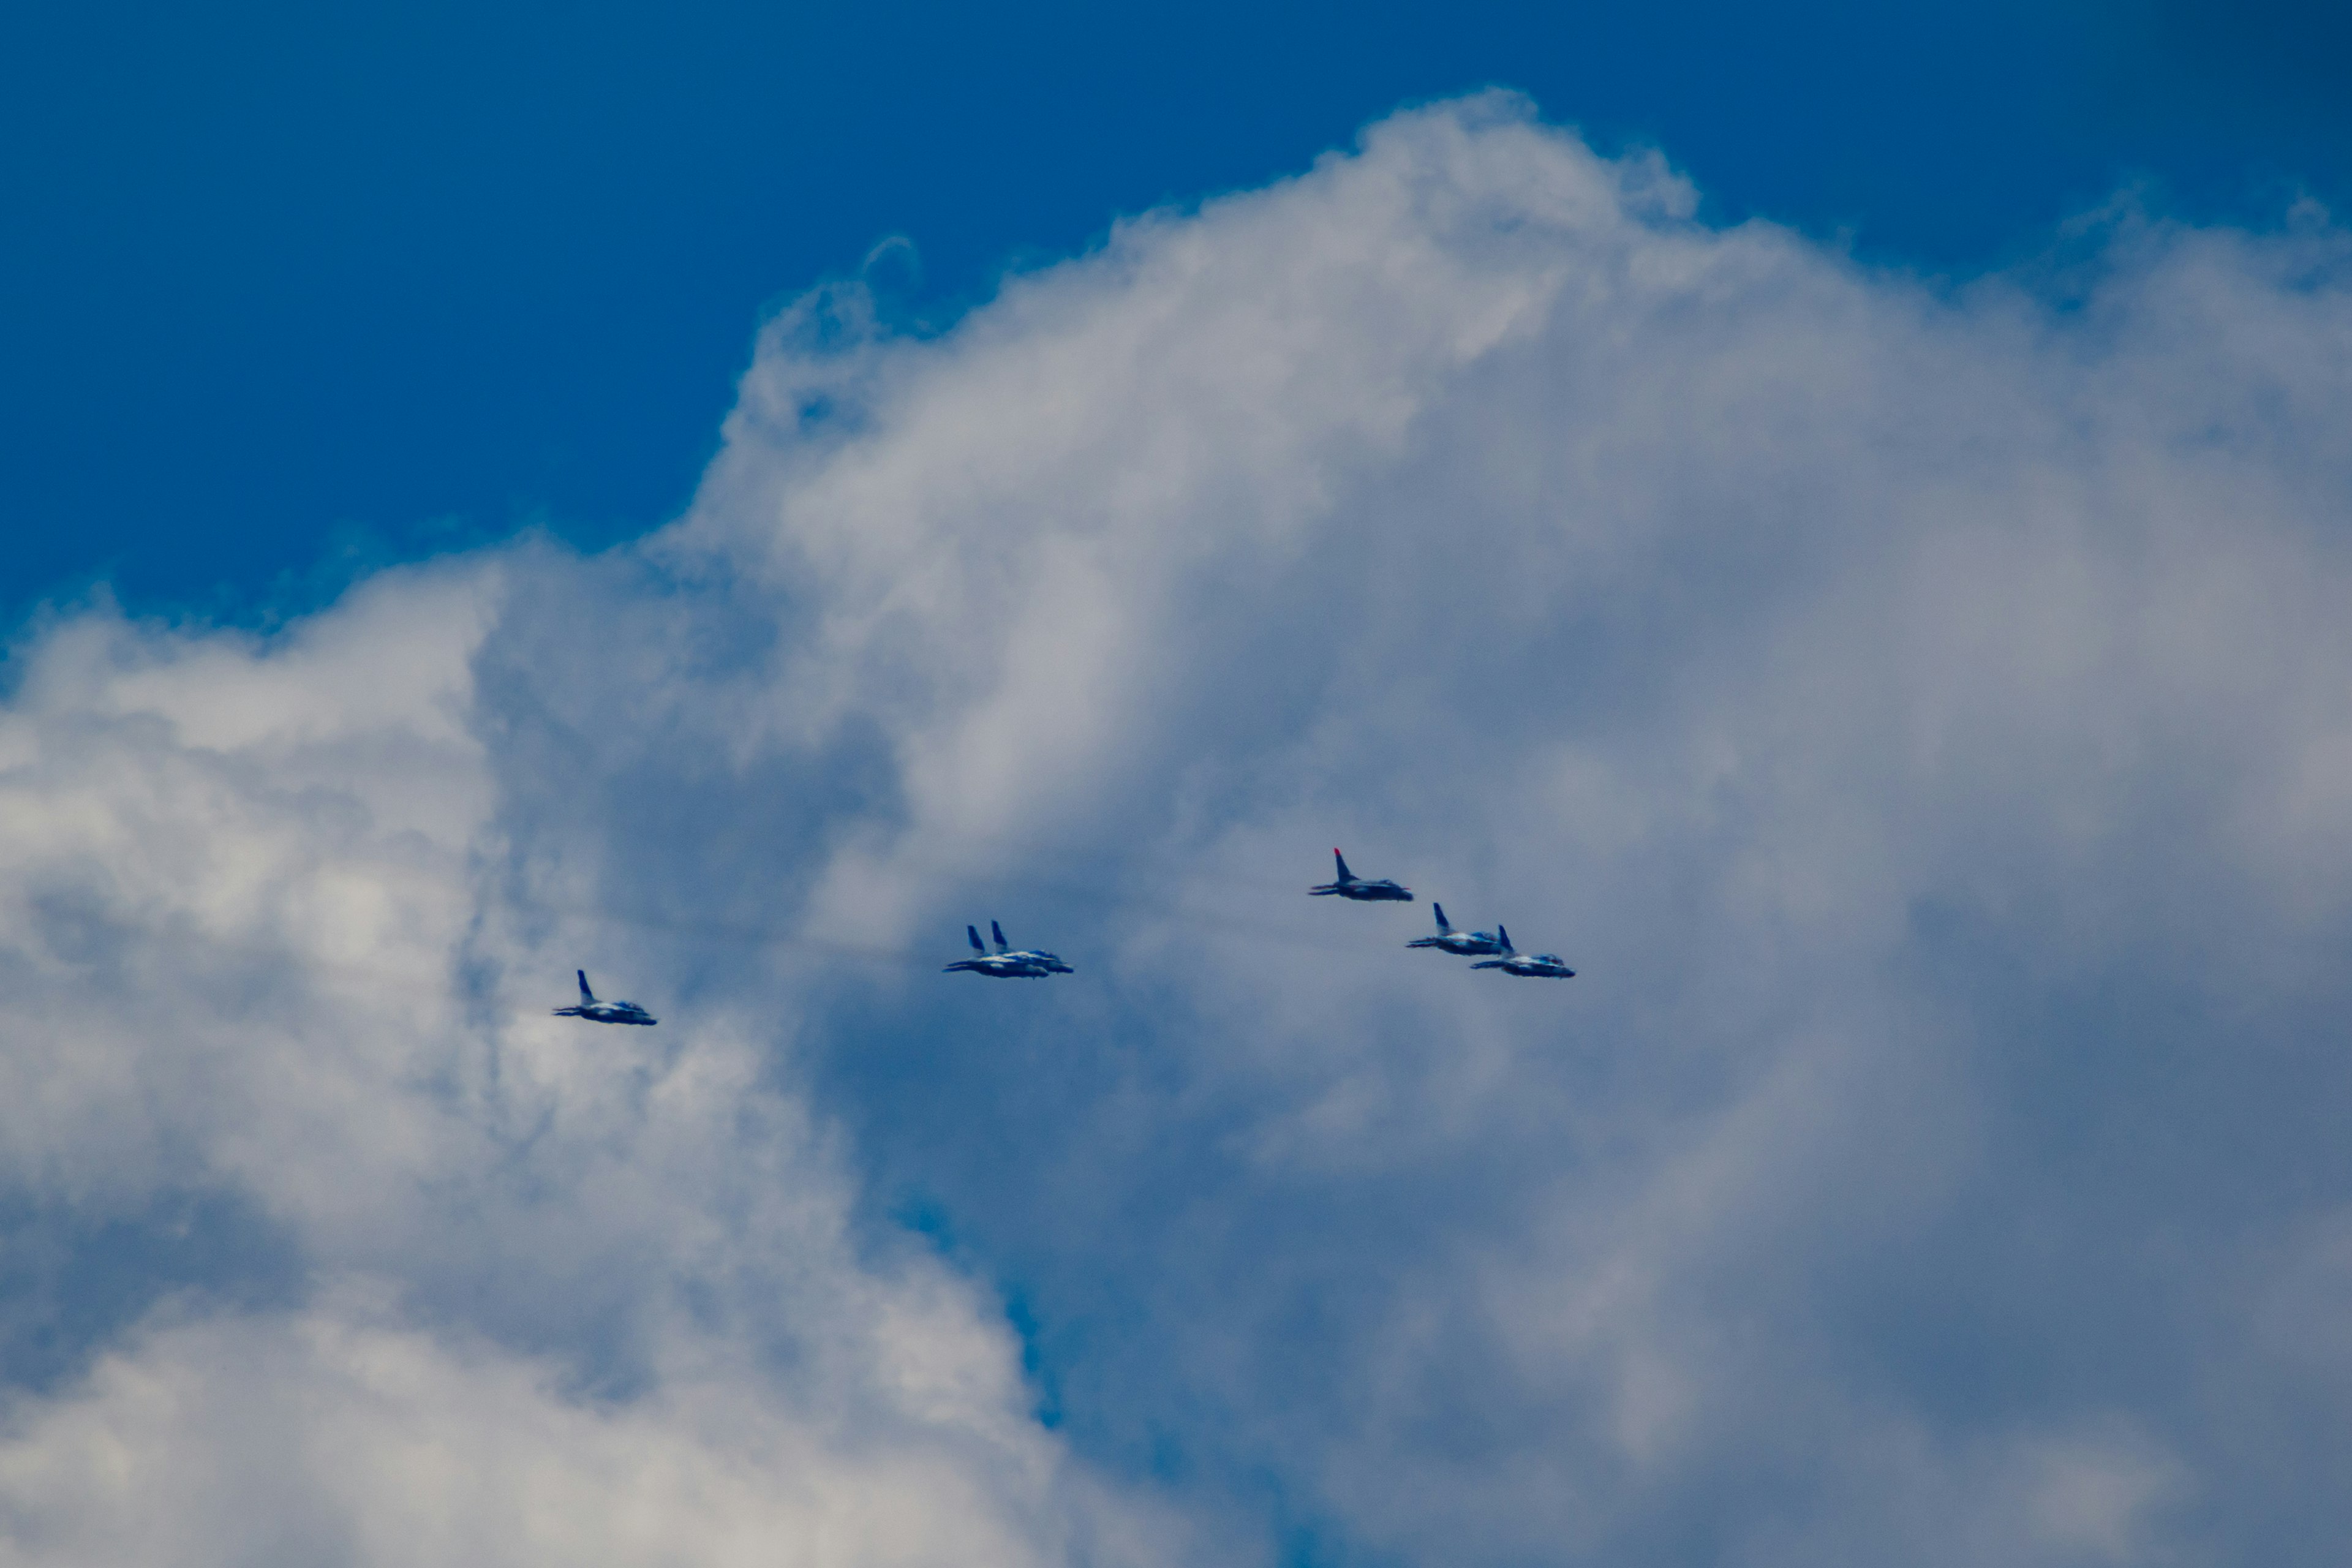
1462,943
1350,886
1005,963
597,1012
1534,965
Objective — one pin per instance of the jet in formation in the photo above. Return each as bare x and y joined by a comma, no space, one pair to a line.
1461,943
597,1012
1350,886
1007,964
1534,965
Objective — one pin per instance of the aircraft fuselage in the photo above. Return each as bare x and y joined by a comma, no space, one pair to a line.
1531,966
609,1012
1365,892
1007,962
1014,966
1350,886
1461,943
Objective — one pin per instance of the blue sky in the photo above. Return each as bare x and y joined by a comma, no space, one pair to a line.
374,281
1895,654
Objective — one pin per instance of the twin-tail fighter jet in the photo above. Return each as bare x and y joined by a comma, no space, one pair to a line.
1461,943
1007,964
1533,965
597,1012
1350,886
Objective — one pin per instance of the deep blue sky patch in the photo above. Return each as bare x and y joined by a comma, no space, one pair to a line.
288,291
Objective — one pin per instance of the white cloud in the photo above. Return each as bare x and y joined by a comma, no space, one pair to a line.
580,1294
1920,715
332,1436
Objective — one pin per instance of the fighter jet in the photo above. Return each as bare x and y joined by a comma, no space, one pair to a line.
1349,886
1536,965
1462,943
597,1012
1005,963
1047,962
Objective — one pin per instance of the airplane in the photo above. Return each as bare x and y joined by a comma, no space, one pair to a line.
1349,886
1045,961
597,1012
1461,943
1028,964
1534,965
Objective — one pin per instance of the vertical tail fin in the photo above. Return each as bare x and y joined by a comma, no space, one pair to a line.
1345,875
1502,935
998,933
973,933
586,996
1443,929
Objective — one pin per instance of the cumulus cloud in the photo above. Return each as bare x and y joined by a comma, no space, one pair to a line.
475,1288
328,1437
1918,711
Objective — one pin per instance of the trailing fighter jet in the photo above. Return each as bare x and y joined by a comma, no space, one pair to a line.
1350,886
1462,943
1045,961
1028,964
1534,965
597,1012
